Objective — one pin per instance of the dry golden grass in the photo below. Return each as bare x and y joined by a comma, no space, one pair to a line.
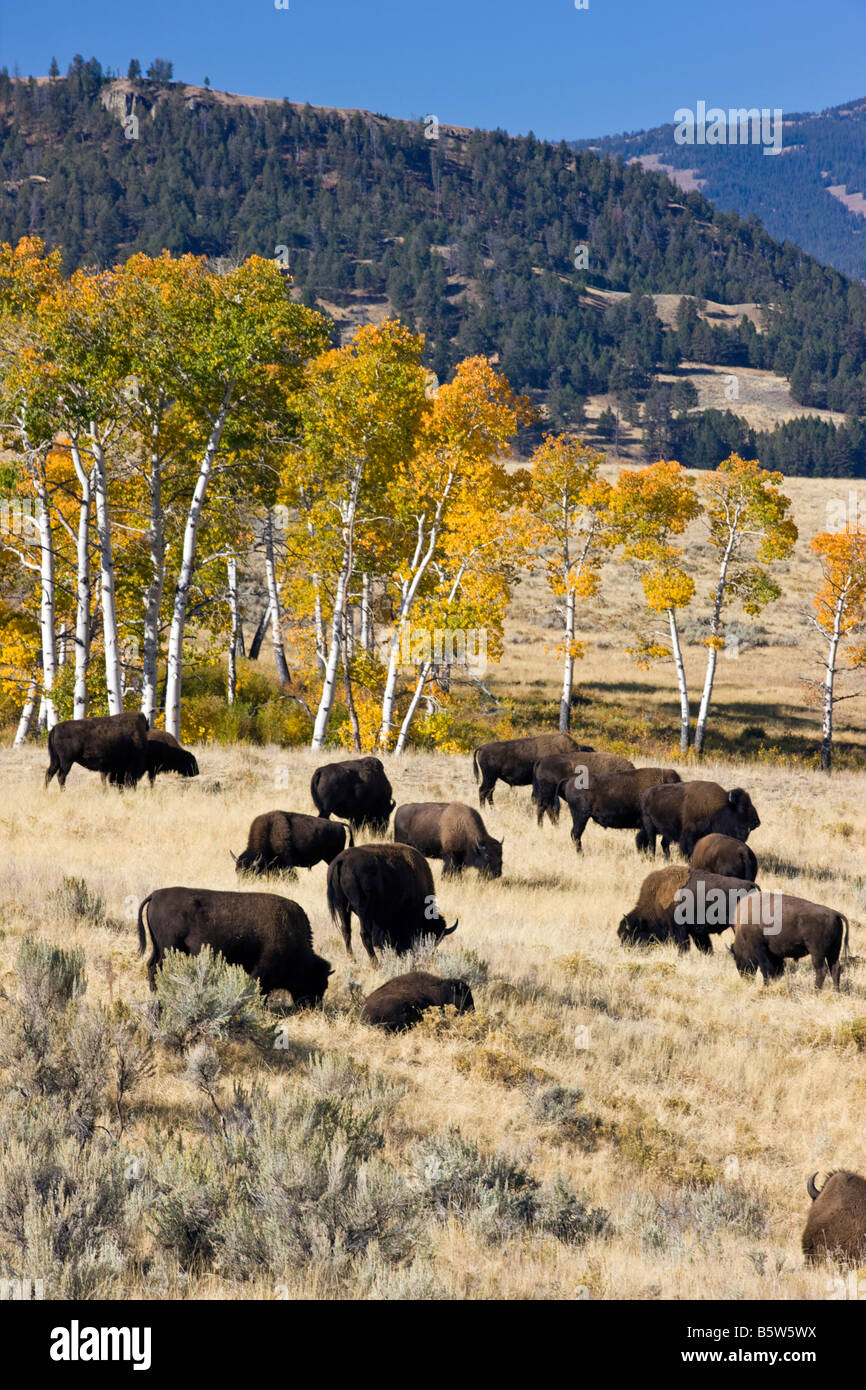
686,1065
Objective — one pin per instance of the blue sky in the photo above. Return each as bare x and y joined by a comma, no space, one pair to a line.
523,65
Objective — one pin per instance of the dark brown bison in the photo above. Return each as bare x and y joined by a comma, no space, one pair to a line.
773,927
511,760
836,1226
613,800
390,890
551,773
289,840
682,813
114,745
679,904
451,831
356,790
165,754
267,936
402,1001
722,854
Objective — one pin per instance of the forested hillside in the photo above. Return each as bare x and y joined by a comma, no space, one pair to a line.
472,237
799,197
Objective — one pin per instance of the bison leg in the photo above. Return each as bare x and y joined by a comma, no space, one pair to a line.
368,938
649,835
835,974
485,791
820,971
344,920
666,847
578,825
53,768
703,942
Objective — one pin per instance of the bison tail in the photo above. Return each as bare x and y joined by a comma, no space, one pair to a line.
475,763
351,835
847,927
142,935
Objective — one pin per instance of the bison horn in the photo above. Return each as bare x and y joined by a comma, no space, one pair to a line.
233,855
811,1188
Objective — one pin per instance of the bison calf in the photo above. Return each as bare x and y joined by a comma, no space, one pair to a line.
722,854
836,1225
451,831
794,928
402,1001
268,936
290,840
163,753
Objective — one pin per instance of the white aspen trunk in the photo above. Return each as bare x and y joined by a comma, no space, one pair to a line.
712,653
400,745
155,590
329,684
366,615
47,608
113,675
231,692
320,625
61,645
25,723
181,594
676,650
284,675
82,587
420,564
829,685
568,666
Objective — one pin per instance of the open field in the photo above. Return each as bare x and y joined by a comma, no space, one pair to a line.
706,1100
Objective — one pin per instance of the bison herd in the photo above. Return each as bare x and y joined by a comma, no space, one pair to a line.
388,886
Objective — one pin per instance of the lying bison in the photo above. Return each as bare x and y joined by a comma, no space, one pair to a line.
511,760
114,745
402,1001
289,840
164,754
679,904
390,890
551,773
836,1225
451,831
267,936
773,928
722,854
356,790
613,800
684,812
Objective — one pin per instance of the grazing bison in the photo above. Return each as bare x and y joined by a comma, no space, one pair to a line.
402,1001
678,904
390,890
550,773
451,831
722,854
267,936
682,813
164,754
114,745
356,790
836,1225
511,760
613,800
768,933
290,840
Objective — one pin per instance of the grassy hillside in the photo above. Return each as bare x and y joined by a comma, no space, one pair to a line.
695,1105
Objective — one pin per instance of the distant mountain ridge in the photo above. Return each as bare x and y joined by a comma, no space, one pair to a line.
814,195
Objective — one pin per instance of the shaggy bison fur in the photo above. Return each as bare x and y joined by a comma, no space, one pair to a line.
682,813
390,890
511,760
613,800
836,1225
551,774
451,831
355,790
764,939
722,854
114,745
680,904
289,840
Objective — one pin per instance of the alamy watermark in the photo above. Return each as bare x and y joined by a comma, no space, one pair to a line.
737,126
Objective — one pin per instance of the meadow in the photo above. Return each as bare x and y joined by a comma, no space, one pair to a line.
668,1111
